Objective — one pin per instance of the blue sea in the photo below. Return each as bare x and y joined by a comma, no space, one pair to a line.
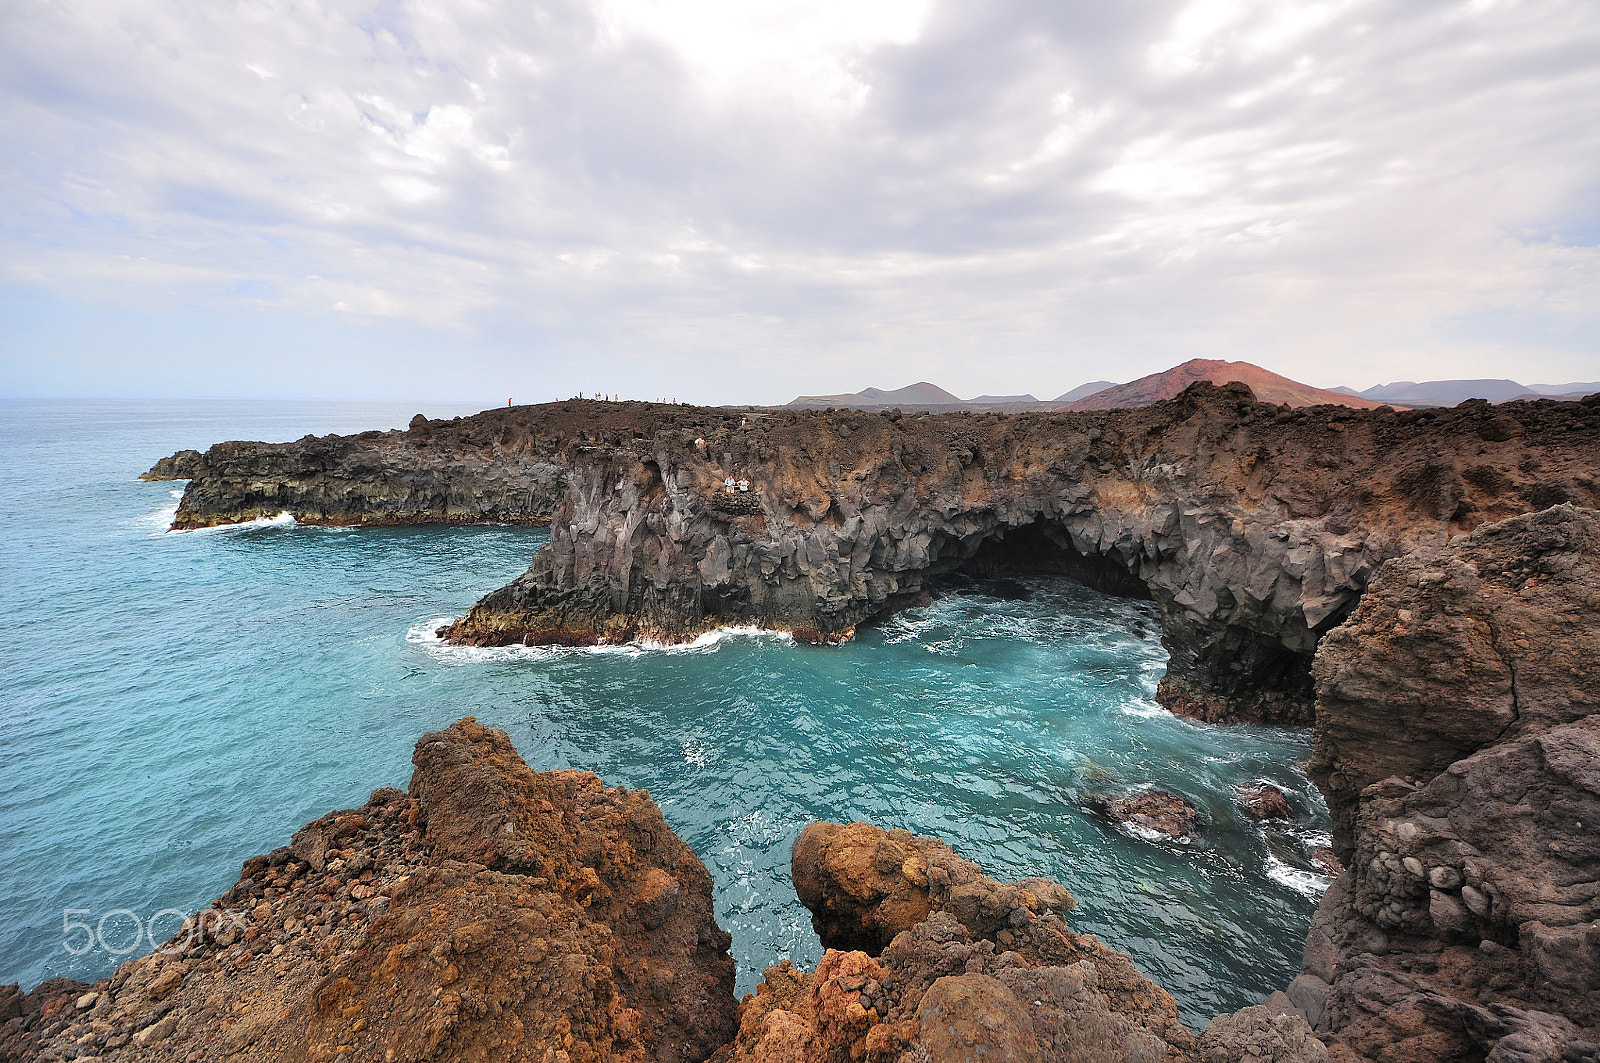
173,703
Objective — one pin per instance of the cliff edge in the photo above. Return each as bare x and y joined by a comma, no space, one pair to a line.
492,912
1458,743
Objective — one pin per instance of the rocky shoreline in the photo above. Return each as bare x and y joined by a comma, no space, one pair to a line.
495,912
1423,586
1255,528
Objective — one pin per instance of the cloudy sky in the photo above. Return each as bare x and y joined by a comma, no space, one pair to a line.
742,200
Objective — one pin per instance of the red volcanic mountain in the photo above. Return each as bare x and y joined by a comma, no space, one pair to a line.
1269,387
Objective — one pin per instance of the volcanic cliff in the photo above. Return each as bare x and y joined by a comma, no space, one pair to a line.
1458,744
1254,527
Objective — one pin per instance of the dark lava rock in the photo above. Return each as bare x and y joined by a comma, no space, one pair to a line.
1007,590
1253,528
1458,742
184,465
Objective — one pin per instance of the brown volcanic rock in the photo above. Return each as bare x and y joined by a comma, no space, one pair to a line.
26,1017
1458,742
863,885
1265,801
972,969
494,913
1255,528
1267,386
1155,812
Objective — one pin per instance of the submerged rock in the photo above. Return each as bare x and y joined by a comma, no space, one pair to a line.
1154,813
1263,800
493,912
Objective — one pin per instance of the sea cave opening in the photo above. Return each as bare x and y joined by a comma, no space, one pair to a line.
1042,548
1217,671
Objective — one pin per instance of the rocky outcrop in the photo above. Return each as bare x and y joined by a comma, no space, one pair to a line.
1154,814
504,466
864,885
931,960
1258,1035
491,913
184,465
1254,527
1458,743
1262,800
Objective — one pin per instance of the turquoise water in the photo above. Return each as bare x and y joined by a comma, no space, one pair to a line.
176,702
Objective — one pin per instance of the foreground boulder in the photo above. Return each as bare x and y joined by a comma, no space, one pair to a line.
930,960
1458,743
493,912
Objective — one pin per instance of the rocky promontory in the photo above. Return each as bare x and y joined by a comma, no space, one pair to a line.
1255,528
505,466
492,912
1458,744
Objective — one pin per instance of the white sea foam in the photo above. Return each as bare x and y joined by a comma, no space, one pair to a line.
1306,883
1151,835
425,634
697,751
282,520
1144,708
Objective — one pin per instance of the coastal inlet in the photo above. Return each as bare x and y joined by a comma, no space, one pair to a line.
230,685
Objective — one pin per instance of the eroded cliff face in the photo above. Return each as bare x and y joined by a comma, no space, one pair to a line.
1254,527
1458,743
492,913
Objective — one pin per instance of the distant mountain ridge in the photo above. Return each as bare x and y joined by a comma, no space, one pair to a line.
921,393
1083,391
1267,385
1454,392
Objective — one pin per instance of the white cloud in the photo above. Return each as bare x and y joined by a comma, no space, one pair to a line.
774,196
